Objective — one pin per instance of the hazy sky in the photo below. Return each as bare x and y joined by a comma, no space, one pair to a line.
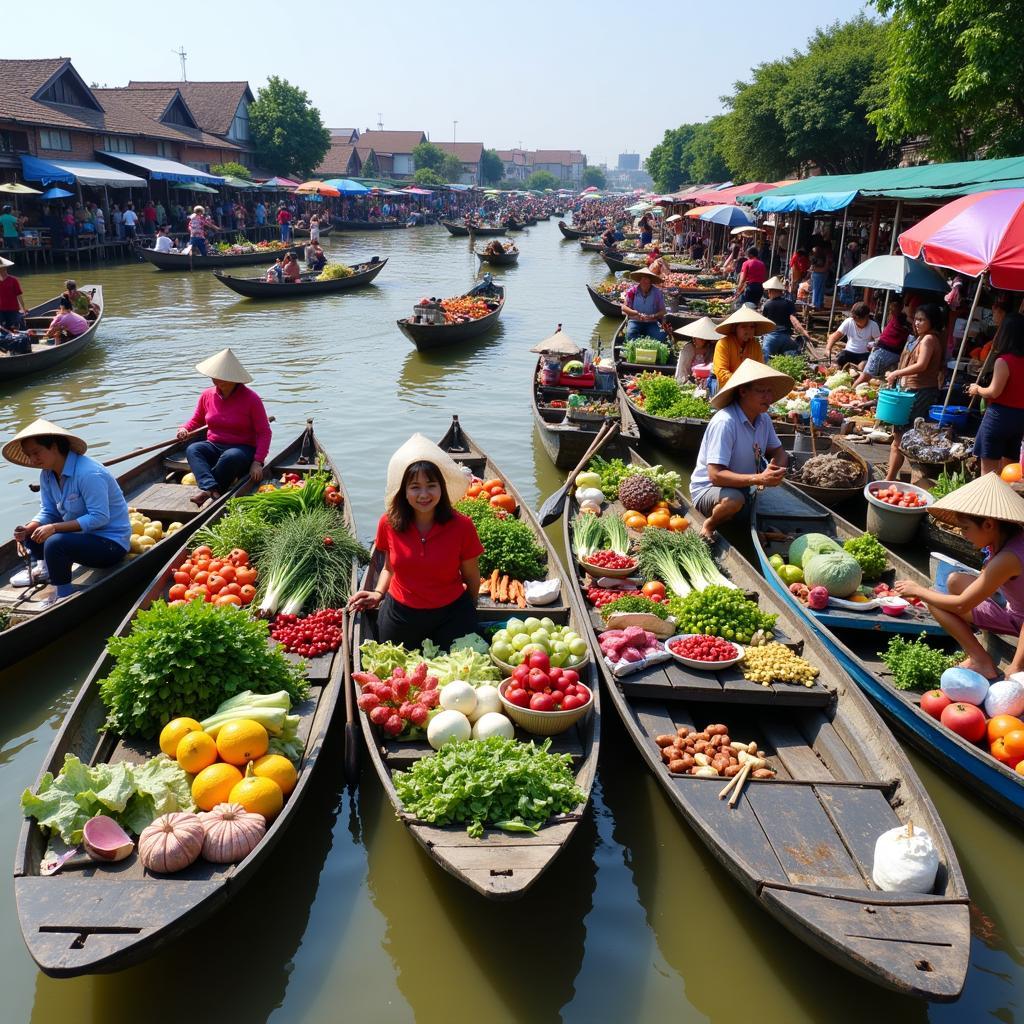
603,77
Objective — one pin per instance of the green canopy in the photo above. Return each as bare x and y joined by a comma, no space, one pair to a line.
239,183
194,186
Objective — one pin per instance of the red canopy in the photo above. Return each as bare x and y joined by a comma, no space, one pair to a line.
728,195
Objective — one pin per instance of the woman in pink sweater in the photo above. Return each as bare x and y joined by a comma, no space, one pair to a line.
238,431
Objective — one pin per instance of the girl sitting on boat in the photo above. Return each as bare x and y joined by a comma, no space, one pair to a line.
990,514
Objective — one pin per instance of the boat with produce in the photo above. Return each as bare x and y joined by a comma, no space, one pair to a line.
339,277
616,263
325,230
154,869
573,233
589,245
161,508
816,778
43,356
498,862
567,429
465,316
249,255
480,230
507,258
879,649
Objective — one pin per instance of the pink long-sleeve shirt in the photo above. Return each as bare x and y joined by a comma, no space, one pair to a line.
238,419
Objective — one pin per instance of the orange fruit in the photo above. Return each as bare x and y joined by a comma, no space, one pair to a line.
242,741
999,752
173,732
1000,725
213,785
277,768
196,751
1020,768
258,795
1012,473
659,518
1013,742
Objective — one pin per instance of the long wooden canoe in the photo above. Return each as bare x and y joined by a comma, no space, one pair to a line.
108,916
504,259
307,284
194,261
370,225
44,356
802,844
430,336
479,230
500,865
573,233
855,639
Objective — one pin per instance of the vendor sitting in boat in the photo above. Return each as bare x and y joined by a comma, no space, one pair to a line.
737,437
429,584
494,248
290,269
82,518
238,431
739,342
81,303
644,306
698,349
656,263
316,258
990,514
66,323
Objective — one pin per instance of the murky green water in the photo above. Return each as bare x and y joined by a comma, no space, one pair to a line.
349,920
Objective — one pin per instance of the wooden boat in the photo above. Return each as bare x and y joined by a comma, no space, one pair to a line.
428,336
454,228
513,225
543,216
43,357
260,288
369,225
567,440
802,844
193,261
573,233
154,488
504,259
616,263
587,245
108,916
500,865
832,496
856,638
325,230
479,230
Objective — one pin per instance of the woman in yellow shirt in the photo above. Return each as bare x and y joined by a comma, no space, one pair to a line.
740,331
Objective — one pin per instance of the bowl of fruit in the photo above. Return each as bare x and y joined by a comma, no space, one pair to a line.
608,563
700,651
512,645
895,510
545,701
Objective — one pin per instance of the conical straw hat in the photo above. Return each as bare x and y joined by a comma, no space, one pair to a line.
559,344
774,284
746,315
750,371
644,272
224,366
13,452
988,496
704,328
421,449
5,262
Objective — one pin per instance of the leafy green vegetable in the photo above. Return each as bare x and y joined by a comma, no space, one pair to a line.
241,528
946,483
467,662
133,795
613,472
663,352
720,611
478,509
588,535
187,659
484,782
333,271
680,560
510,547
664,396
634,603
471,642
794,366
917,665
870,554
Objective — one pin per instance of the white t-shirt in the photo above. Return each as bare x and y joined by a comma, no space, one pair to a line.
164,244
130,218
858,338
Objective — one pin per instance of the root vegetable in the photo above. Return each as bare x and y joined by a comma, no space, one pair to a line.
677,767
731,771
664,741
763,773
705,772
683,731
702,759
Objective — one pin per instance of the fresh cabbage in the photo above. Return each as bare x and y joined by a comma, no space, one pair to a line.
806,546
471,642
842,379
836,571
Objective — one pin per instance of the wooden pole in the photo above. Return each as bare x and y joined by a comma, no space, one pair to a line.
963,342
892,250
835,287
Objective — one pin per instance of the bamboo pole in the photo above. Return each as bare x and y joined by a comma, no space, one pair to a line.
892,250
963,342
835,286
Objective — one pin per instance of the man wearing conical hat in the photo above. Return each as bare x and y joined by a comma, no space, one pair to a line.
781,310
739,435
643,304
237,428
739,342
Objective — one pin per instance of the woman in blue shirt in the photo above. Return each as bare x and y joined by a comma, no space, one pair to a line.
83,516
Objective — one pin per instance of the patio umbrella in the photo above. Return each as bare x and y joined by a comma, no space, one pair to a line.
559,344
194,186
17,189
346,186
56,193
894,273
317,188
730,216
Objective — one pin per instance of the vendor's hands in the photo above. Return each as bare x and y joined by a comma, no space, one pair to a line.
43,533
973,390
364,600
908,589
772,476
890,378
256,472
21,534
182,433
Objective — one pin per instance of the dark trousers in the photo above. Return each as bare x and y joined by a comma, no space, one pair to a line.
399,624
217,466
60,550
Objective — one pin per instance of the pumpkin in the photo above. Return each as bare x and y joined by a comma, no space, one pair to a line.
659,518
171,843
231,833
678,524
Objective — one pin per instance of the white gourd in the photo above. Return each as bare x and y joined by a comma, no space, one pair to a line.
1005,697
171,842
231,833
905,860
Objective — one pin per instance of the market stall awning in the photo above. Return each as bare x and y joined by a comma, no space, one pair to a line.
238,183
729,194
279,184
194,186
88,172
346,186
159,168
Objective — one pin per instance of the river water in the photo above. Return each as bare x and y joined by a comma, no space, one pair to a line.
349,920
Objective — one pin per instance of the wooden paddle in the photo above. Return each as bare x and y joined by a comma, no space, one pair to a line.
351,736
551,510
155,447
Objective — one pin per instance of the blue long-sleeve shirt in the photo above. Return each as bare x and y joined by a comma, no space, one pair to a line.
86,491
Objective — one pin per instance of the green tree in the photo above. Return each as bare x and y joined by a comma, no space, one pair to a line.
231,169
955,76
750,136
702,160
288,134
664,162
427,155
492,167
425,176
594,176
451,167
541,180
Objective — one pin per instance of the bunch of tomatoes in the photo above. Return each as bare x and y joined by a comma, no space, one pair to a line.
892,495
608,559
704,648
218,581
494,492
459,310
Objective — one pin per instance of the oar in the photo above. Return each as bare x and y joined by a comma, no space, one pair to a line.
155,447
552,509
351,738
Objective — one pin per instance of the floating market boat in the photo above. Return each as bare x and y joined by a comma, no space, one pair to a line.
43,356
855,639
828,495
500,865
369,225
104,916
573,233
802,844
480,230
325,230
194,261
307,284
616,263
507,258
428,336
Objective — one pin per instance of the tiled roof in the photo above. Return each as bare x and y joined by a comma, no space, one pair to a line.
512,156
556,156
213,104
337,158
466,152
344,133
138,111
389,143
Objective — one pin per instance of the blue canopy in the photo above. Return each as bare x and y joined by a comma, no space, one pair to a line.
812,202
56,193
730,216
346,186
159,168
67,172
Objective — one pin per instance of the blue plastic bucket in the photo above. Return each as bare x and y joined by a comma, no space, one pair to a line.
894,406
955,416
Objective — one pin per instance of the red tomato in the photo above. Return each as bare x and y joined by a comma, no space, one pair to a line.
201,577
245,575
653,589
496,489
227,572
182,577
965,720
177,592
202,552
247,594
231,588
215,584
934,702
474,491
239,557
214,566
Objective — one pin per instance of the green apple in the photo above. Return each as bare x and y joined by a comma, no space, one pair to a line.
578,647
531,648
519,641
558,658
548,624
514,626
502,650
540,636
531,624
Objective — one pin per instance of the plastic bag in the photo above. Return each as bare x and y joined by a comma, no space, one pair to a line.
625,668
905,860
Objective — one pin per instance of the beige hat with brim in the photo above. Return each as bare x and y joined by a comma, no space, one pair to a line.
750,372
746,315
704,328
774,284
6,262
645,272
13,451
421,449
224,366
988,497
559,344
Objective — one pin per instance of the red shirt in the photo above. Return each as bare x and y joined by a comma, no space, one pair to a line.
10,289
754,271
428,570
238,419
283,216
801,264
1013,393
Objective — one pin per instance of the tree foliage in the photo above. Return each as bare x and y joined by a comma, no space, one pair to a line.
428,156
594,176
451,167
541,180
425,176
955,76
492,167
288,134
231,169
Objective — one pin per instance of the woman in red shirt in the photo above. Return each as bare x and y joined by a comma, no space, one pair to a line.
1002,428
429,584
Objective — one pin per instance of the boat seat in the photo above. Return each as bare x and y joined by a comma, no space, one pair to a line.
166,502
177,464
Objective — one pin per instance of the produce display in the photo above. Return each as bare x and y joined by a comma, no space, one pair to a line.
612,472
464,308
311,636
242,245
661,395
776,663
892,495
646,350
334,272
947,483
541,686
721,611
791,365
870,554
680,560
509,544
701,647
713,308
218,581
635,603
828,471
819,562
468,659
607,559
504,589
400,703
630,648
521,638
146,532
710,753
